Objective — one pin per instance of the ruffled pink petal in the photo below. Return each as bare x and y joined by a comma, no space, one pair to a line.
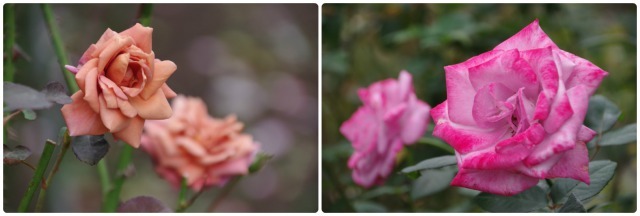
361,129
531,37
499,182
106,36
168,92
141,35
414,122
91,90
585,134
118,68
113,47
464,139
543,64
113,119
460,91
80,118
81,76
573,164
584,73
507,69
132,133
87,55
156,107
490,109
566,137
560,111
161,72
191,146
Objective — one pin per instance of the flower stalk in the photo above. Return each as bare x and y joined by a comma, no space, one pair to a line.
65,141
36,180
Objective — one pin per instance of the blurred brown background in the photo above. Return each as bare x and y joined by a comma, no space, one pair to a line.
258,61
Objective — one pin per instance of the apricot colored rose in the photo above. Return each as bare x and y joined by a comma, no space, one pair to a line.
193,145
121,84
514,114
391,116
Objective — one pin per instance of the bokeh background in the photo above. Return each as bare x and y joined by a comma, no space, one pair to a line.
364,43
258,61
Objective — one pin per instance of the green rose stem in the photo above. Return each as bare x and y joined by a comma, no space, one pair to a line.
59,47
225,191
66,142
182,197
112,198
36,180
184,204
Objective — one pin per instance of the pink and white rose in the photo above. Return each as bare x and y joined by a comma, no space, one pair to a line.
391,116
514,114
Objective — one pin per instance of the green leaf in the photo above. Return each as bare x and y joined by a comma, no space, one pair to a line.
620,136
600,172
15,155
432,181
432,163
602,114
572,205
527,201
368,206
29,114
143,204
90,149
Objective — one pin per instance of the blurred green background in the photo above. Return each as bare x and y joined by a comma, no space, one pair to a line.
258,61
364,43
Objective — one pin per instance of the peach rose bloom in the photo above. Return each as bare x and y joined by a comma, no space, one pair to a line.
121,84
191,144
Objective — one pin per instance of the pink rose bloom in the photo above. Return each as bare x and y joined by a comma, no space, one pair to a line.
514,114
191,144
121,84
390,117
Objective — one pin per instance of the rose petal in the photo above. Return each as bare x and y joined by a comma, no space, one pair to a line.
161,72
156,107
460,92
113,47
574,164
361,129
80,118
531,37
414,122
566,136
489,107
168,92
584,73
141,35
81,76
507,69
494,181
132,133
113,119
118,68
91,89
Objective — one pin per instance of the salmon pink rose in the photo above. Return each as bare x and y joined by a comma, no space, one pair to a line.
514,114
391,117
121,84
191,144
